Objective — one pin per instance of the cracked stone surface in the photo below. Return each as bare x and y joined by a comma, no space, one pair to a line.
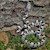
12,12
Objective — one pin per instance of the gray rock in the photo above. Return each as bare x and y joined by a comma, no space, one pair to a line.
37,11
12,12
23,0
41,2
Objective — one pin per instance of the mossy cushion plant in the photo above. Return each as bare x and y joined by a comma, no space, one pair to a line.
32,38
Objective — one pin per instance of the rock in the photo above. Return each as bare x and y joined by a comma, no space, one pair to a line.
13,32
8,28
23,0
8,15
37,11
12,12
41,2
28,6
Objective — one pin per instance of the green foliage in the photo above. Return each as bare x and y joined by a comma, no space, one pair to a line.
13,40
9,35
16,39
2,47
47,43
19,46
32,38
10,45
47,30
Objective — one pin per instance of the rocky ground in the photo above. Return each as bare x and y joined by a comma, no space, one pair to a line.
12,12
